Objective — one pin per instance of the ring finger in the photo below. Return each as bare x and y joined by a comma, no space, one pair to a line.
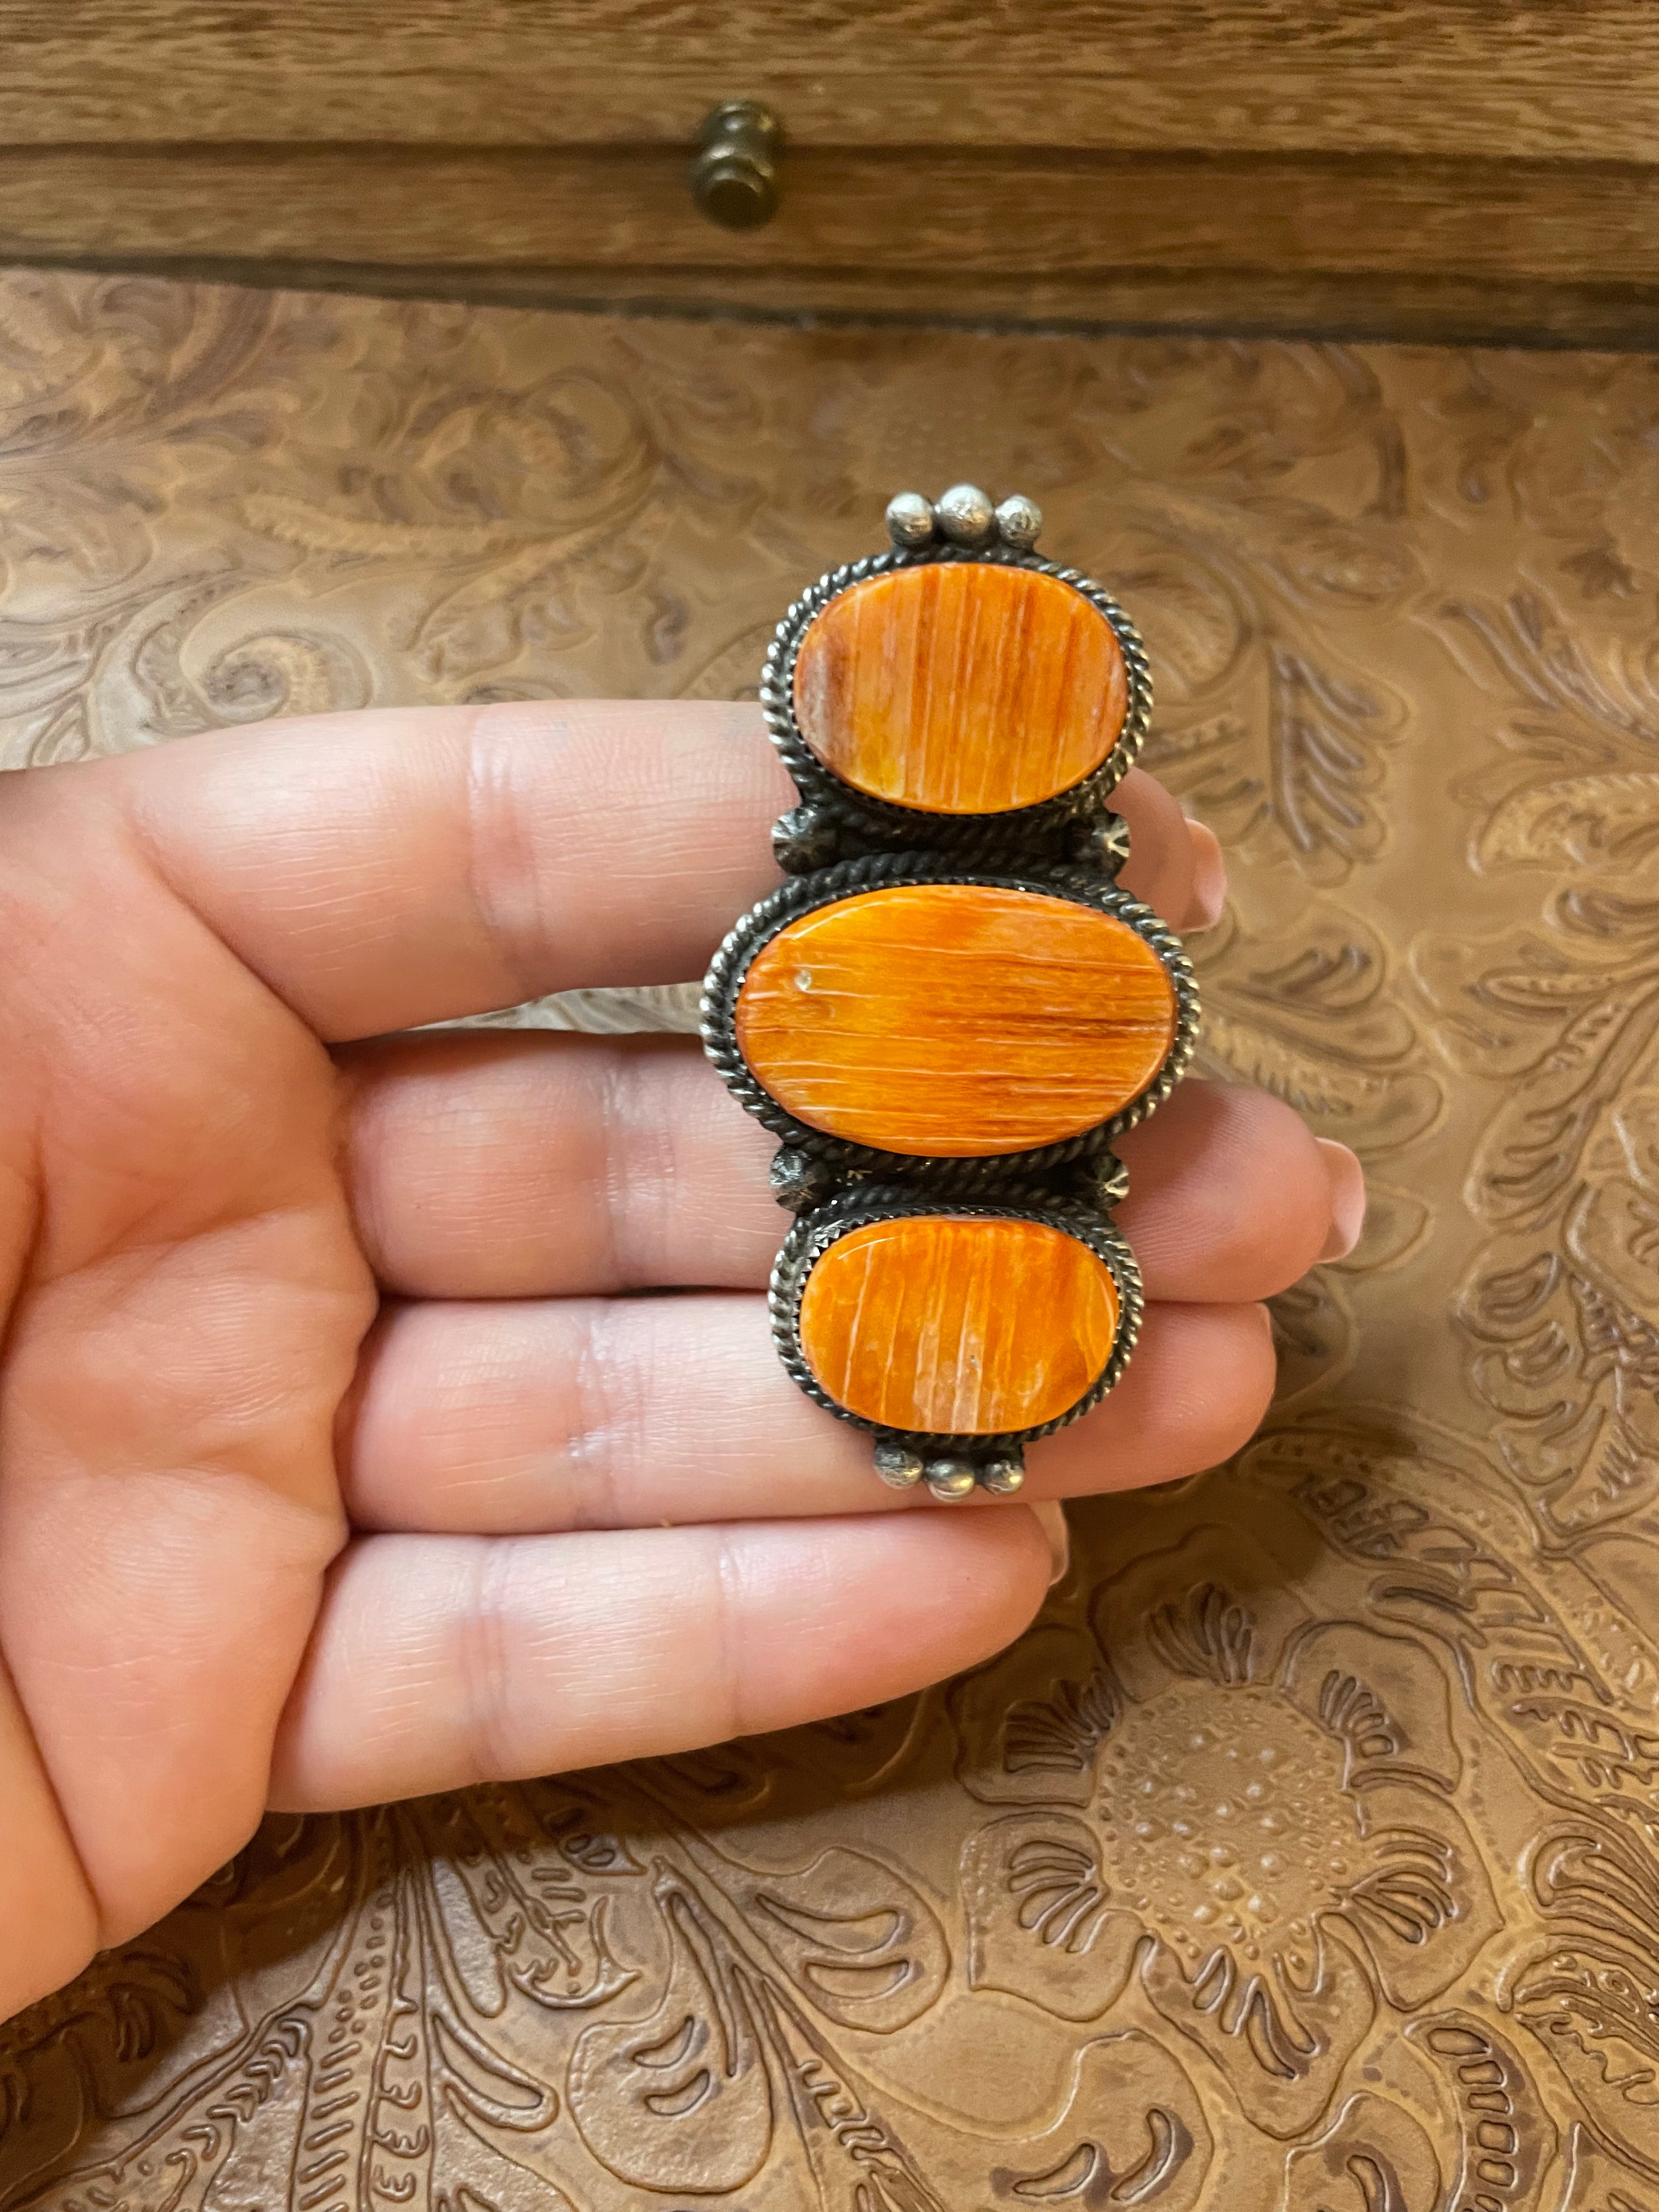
515,1416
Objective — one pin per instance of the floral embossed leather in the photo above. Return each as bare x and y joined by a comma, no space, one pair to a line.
949,1953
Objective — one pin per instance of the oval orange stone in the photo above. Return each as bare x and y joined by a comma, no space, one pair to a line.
963,1327
960,687
957,1019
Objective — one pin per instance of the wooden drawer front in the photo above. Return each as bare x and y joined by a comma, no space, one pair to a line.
1467,167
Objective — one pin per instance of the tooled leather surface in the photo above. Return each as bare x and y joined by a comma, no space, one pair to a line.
1306,1854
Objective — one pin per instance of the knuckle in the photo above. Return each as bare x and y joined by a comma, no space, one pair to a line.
503,876
641,1168
484,1665
610,1394
728,1693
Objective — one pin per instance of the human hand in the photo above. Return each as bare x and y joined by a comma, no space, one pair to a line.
336,1462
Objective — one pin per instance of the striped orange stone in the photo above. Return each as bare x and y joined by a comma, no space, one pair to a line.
961,1327
960,687
957,1019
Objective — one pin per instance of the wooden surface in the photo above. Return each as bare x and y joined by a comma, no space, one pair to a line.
1498,78
1470,167
954,1954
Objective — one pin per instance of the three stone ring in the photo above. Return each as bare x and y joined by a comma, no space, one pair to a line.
950,1013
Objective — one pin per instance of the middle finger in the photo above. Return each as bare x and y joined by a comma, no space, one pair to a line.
536,1164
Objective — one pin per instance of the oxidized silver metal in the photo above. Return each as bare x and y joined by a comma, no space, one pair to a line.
965,515
910,521
1019,521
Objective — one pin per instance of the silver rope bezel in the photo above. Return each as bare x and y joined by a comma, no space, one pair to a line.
805,895
820,785
813,1234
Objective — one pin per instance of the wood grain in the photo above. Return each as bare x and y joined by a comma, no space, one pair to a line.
1431,166
960,216
1552,79
1242,303
960,1328
960,1020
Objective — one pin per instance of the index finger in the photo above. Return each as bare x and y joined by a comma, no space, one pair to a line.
385,869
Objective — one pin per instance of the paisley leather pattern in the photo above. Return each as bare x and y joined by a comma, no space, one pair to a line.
1306,1854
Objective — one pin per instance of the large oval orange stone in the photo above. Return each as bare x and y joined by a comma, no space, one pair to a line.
959,688
957,1019
963,1327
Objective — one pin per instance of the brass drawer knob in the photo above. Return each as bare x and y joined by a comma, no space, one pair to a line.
734,178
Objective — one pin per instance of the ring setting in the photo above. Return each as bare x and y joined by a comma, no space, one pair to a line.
950,1012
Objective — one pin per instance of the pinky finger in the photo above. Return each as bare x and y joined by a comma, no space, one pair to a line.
443,1660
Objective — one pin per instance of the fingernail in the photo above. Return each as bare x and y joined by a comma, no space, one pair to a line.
1051,1519
1209,901
1347,1181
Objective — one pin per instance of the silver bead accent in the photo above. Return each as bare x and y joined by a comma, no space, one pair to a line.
804,839
1101,844
899,1467
1019,521
910,521
951,1480
966,515
1003,1477
798,1181
1108,1179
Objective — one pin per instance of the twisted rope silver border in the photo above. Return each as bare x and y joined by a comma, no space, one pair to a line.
803,895
814,1233
820,785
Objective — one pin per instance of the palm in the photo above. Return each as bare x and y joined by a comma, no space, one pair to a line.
333,1465
189,1321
